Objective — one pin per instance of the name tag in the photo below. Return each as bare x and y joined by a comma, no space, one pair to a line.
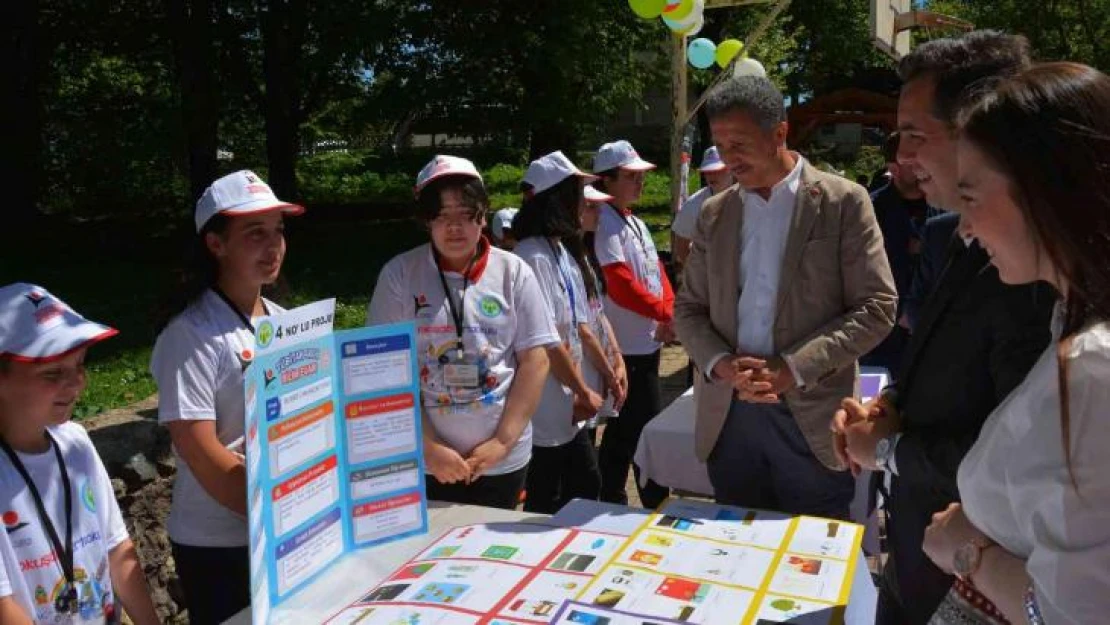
460,375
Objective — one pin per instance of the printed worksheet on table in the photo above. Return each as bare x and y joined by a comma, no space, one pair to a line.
501,573
701,563
332,446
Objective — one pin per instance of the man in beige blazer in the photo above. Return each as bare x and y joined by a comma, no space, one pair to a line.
786,285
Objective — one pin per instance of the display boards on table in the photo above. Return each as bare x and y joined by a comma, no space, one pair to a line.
690,562
332,446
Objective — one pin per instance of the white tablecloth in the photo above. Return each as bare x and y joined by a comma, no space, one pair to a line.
665,454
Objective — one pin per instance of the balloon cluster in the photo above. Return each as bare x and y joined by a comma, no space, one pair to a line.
686,17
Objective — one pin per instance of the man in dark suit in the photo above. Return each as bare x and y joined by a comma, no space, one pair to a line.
936,234
976,338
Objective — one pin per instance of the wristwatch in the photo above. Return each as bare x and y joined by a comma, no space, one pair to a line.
884,451
969,556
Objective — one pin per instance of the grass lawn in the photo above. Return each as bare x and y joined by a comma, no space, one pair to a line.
119,276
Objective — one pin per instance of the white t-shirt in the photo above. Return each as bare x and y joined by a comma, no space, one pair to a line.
685,223
552,423
198,364
503,314
31,574
621,241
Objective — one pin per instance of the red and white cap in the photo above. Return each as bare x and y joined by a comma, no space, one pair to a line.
35,326
551,169
593,195
711,161
240,193
443,165
619,154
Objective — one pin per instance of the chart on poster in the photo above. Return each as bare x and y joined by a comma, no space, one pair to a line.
332,446
705,564
496,573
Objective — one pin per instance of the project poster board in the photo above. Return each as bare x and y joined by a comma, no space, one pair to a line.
332,442
706,564
495,573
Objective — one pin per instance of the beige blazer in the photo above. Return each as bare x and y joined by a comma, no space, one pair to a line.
836,301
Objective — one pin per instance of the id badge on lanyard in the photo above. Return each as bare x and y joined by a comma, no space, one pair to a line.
461,370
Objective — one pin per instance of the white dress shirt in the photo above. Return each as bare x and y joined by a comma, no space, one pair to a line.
1016,488
766,226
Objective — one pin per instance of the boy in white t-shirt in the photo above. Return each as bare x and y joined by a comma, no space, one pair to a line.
640,305
482,329
65,556
717,178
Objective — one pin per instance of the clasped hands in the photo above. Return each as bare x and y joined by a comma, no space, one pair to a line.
756,380
857,429
449,466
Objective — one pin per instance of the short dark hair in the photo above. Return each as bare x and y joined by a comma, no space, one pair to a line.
964,67
471,189
754,95
890,147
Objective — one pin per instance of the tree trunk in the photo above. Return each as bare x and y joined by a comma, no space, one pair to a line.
191,22
26,65
282,24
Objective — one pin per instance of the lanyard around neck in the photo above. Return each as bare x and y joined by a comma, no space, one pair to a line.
635,230
568,286
458,314
67,600
245,320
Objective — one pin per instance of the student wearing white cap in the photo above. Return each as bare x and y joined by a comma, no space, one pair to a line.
482,333
717,178
640,305
564,462
501,228
603,368
198,363
65,556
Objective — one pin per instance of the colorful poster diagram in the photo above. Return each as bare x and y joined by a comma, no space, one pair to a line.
497,574
705,564
332,446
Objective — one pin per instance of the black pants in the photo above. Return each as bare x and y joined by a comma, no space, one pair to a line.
492,491
761,460
912,586
216,581
622,434
559,474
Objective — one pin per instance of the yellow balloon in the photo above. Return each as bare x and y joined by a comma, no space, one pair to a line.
679,11
727,50
648,9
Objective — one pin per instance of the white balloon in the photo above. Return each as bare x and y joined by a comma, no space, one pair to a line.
748,66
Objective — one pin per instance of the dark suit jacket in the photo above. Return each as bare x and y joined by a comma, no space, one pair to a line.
936,235
976,340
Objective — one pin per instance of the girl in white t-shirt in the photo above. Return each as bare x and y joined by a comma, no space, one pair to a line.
198,363
65,556
564,463
481,333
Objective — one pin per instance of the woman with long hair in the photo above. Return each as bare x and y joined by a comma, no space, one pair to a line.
1033,532
482,333
564,464
199,360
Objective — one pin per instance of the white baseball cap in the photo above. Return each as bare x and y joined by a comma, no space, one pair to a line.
443,165
240,193
619,154
711,161
551,169
501,220
593,195
35,326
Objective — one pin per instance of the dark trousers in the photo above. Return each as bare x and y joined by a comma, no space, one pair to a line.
622,434
912,586
216,581
761,460
559,474
492,491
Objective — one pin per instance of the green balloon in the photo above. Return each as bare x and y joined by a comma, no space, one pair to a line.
648,9
727,50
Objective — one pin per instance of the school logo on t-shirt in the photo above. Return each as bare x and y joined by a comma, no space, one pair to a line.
12,522
265,334
87,497
489,306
